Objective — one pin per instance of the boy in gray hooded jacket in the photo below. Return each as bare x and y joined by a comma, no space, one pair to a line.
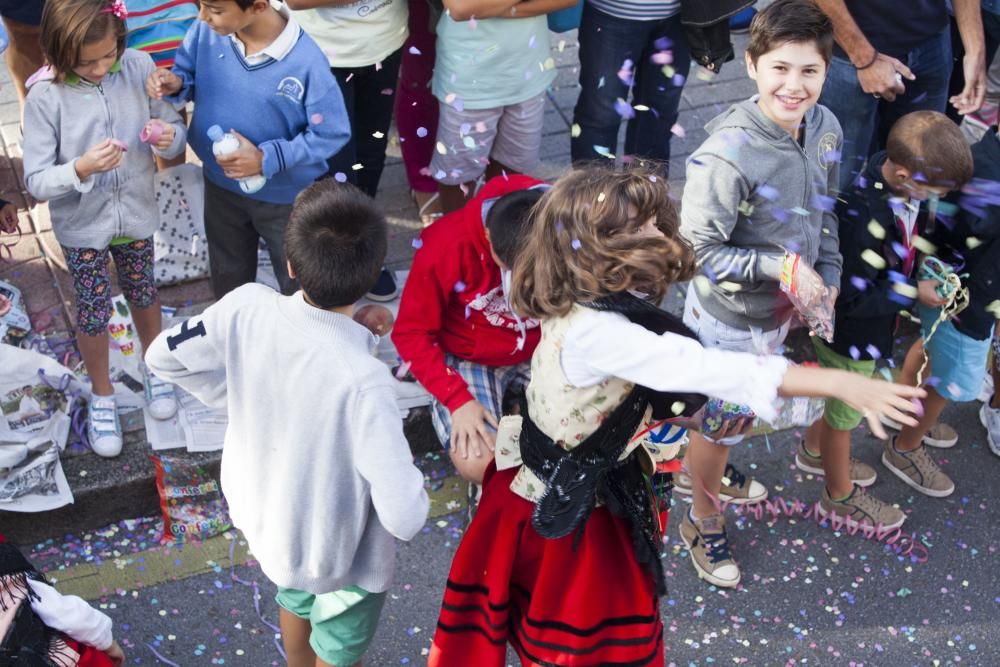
758,202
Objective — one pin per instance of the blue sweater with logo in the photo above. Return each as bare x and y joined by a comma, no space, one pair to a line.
292,109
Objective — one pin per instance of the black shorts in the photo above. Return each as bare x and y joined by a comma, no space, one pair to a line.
22,11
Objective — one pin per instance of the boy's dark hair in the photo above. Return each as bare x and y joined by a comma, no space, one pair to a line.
509,221
335,242
787,21
932,148
67,25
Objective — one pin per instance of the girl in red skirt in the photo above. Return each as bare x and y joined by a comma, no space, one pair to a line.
562,559
39,627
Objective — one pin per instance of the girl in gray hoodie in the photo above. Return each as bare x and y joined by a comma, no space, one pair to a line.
90,133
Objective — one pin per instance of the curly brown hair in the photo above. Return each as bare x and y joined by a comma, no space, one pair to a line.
69,24
584,246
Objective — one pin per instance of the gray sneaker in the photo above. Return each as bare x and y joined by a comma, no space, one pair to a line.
862,474
990,417
736,488
862,509
708,545
917,469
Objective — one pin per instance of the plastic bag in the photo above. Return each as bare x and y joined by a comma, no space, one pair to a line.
190,500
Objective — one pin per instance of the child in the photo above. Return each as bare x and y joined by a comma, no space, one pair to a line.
250,67
82,153
926,157
455,328
493,67
758,199
566,578
317,472
958,348
40,626
157,27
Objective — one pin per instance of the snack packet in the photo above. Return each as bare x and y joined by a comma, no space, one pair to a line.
190,500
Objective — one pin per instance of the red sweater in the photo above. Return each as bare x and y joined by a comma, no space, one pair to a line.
453,303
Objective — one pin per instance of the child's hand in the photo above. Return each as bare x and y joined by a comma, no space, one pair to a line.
8,219
927,293
166,137
873,398
116,654
469,429
162,82
105,156
247,160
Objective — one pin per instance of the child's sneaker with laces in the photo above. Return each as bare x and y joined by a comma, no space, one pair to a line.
940,435
160,397
736,489
861,473
861,509
917,469
103,428
708,545
990,417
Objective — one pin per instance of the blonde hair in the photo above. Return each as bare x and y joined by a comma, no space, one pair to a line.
583,246
67,25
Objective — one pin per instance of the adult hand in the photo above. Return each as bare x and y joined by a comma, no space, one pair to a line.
105,156
972,96
162,82
8,219
470,429
881,80
927,293
247,160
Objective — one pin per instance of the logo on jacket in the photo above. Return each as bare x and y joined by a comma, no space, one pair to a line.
291,88
828,153
493,306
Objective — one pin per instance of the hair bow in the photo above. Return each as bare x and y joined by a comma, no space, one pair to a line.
117,8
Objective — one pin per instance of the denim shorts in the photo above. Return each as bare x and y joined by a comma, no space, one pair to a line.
716,333
958,362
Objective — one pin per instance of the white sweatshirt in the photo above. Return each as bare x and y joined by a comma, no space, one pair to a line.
315,466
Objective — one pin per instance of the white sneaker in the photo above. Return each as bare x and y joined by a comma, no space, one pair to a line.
990,417
103,428
986,392
160,397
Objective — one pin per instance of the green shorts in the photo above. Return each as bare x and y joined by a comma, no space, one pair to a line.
343,622
840,415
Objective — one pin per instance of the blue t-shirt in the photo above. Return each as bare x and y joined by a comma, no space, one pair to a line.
490,63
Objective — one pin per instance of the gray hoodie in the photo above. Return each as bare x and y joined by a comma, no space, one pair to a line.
752,192
62,121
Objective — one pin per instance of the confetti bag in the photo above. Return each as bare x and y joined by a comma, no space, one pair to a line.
809,296
190,500
181,249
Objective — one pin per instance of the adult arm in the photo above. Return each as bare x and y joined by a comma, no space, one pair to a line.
384,459
876,71
969,17
71,615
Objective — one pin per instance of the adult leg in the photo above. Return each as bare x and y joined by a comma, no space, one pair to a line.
342,164
377,87
648,134
856,111
24,53
270,221
609,48
232,240
416,108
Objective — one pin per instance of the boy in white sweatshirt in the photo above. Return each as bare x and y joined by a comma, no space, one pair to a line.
317,472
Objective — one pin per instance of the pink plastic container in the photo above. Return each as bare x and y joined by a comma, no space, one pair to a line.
151,132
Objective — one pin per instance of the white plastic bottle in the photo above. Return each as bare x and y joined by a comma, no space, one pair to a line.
224,143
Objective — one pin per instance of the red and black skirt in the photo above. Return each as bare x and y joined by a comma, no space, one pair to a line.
557,604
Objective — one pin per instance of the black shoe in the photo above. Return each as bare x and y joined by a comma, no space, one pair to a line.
385,287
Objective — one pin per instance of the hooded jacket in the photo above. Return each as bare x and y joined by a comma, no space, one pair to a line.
63,120
453,301
752,193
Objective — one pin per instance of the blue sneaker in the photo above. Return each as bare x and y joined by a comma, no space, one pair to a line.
103,428
385,287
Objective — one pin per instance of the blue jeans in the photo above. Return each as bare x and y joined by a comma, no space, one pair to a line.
865,120
606,43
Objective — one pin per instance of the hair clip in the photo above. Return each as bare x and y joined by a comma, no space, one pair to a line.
117,8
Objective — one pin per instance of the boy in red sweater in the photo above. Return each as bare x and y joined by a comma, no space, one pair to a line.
455,327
